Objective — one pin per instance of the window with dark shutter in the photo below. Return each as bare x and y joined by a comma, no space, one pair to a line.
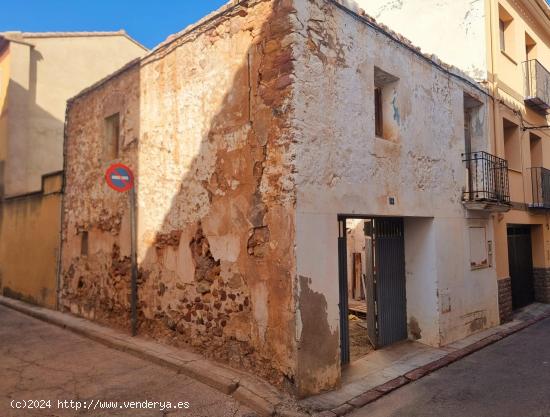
84,243
112,133
378,112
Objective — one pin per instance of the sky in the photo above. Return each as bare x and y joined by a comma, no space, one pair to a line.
148,22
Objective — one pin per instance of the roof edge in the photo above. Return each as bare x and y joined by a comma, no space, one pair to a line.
348,6
97,84
352,8
20,37
228,7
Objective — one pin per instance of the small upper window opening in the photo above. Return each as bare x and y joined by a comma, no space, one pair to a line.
112,137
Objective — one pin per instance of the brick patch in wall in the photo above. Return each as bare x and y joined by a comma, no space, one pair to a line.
505,299
541,277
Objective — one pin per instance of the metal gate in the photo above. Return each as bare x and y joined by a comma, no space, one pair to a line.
520,260
343,288
385,283
388,286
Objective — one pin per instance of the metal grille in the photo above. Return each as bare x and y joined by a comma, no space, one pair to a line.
537,85
390,281
487,178
540,186
343,300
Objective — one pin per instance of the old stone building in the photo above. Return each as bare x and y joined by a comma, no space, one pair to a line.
255,135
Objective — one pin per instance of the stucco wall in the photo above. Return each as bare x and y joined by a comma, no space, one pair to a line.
509,87
44,75
454,30
29,244
17,116
343,168
421,280
204,122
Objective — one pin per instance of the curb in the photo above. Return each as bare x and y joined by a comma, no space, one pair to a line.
418,373
251,391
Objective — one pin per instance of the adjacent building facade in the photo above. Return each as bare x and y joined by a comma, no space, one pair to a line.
255,136
38,73
504,45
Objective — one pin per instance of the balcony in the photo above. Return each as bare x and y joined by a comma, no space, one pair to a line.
540,187
487,188
537,86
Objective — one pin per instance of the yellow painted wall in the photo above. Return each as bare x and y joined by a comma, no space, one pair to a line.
506,81
509,64
29,244
37,77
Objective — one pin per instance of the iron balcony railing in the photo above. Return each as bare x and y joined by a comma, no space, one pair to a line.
487,178
537,85
540,186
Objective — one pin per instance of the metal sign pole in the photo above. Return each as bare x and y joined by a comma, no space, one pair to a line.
133,257
121,179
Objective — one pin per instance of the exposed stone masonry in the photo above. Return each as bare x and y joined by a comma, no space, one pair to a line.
505,299
204,125
541,277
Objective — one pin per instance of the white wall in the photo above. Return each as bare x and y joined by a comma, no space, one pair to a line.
454,30
343,168
421,276
468,298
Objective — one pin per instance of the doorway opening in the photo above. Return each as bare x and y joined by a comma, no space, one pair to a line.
373,311
520,260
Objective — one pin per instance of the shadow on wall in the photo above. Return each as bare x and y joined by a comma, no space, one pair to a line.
216,264
34,146
29,223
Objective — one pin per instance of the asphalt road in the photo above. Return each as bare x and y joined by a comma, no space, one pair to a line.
510,378
42,362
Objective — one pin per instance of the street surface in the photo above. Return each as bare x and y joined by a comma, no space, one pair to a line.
42,362
510,378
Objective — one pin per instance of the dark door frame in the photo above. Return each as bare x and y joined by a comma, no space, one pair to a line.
343,289
523,291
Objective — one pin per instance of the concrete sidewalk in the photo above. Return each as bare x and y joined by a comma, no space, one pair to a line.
247,389
400,364
510,378
383,371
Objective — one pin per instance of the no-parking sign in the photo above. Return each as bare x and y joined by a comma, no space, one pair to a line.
119,177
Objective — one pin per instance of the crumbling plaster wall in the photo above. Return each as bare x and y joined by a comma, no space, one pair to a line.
342,167
96,285
213,161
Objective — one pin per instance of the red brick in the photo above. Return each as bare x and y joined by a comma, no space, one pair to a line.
392,385
416,374
365,398
440,363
